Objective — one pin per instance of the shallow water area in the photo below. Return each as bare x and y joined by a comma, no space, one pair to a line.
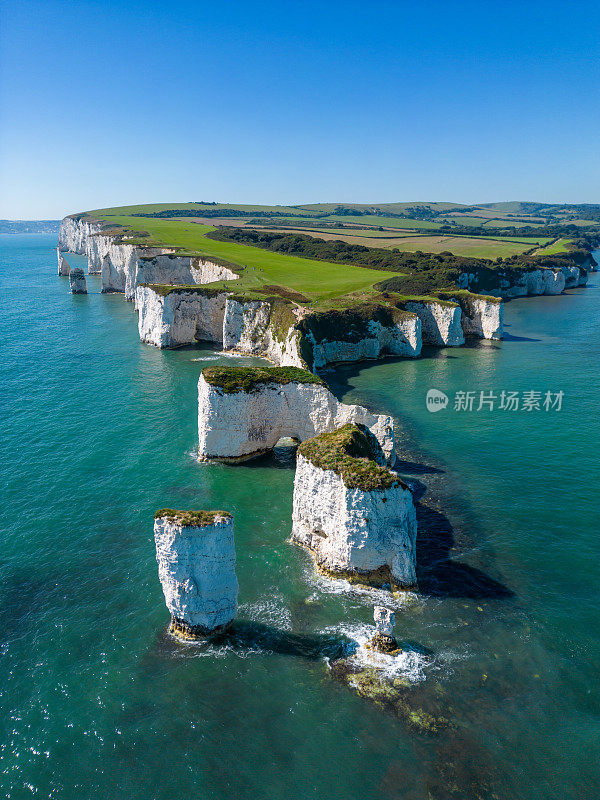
97,700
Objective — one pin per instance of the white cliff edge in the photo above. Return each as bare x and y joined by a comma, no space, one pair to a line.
64,268
440,322
175,317
235,424
195,552
366,535
124,265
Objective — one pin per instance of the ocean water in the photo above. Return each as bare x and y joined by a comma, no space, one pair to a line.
96,701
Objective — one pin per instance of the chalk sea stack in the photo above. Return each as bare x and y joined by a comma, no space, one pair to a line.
195,551
244,411
354,515
383,641
77,281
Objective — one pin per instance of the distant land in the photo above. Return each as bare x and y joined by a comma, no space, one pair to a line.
29,225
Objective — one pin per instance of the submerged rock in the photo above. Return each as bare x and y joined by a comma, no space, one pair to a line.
195,551
396,696
244,411
354,515
77,281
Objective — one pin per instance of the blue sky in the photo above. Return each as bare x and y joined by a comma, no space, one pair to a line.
110,103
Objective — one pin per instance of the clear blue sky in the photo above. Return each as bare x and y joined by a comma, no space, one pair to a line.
110,103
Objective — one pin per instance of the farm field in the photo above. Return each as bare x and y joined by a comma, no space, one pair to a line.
426,216
316,279
561,246
476,247
389,222
461,246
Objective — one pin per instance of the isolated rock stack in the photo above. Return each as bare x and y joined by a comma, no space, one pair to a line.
77,281
195,551
383,641
355,516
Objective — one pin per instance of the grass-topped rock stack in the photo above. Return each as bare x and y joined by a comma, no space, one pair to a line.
355,515
244,411
195,551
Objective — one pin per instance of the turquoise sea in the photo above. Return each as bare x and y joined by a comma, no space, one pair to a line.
96,701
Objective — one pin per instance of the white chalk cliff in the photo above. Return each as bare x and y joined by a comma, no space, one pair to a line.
179,317
364,535
182,316
544,280
440,323
239,424
124,265
195,552
64,268
485,319
400,337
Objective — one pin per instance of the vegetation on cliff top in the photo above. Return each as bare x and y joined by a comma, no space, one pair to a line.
207,290
197,519
246,379
320,274
350,451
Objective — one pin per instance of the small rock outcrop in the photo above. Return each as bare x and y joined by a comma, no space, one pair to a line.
244,411
383,640
353,514
64,268
77,281
195,551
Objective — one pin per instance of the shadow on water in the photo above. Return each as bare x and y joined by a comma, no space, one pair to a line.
437,574
508,337
247,635
283,456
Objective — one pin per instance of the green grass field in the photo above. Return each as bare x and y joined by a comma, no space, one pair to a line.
477,247
317,279
561,246
462,246
387,222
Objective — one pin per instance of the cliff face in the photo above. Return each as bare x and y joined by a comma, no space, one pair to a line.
64,268
74,233
365,332
544,280
184,316
252,327
233,426
196,567
481,317
77,281
124,266
485,319
441,323
366,536
179,318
